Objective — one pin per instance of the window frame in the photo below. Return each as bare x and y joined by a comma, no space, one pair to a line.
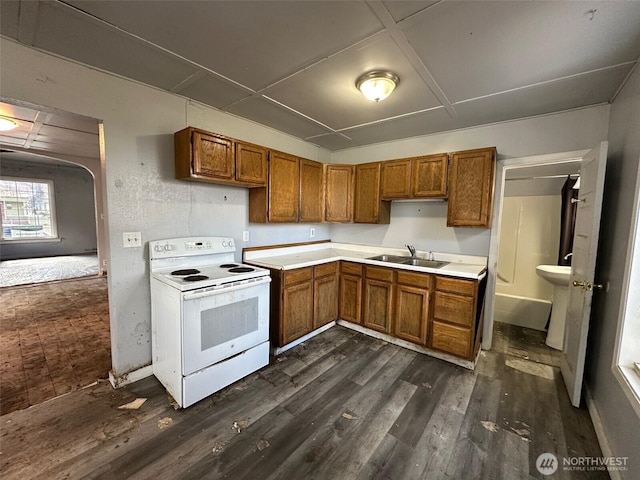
52,211
628,330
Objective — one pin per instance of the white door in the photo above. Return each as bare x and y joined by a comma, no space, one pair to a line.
585,248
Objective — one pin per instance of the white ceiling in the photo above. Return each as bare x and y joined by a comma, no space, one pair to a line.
292,65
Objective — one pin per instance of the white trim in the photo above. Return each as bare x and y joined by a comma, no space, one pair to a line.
503,166
130,377
31,240
627,378
603,440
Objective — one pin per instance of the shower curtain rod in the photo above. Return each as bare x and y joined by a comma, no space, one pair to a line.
544,177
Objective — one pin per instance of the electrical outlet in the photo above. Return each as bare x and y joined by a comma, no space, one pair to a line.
131,239
312,232
245,236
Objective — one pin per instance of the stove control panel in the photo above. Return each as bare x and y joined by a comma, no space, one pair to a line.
180,247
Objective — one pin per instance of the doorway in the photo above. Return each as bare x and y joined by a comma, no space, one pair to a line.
515,168
56,334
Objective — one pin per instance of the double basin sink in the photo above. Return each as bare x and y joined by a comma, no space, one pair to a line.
418,262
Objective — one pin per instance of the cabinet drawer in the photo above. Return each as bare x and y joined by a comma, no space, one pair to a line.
451,339
455,285
453,308
384,274
298,275
414,279
326,269
351,268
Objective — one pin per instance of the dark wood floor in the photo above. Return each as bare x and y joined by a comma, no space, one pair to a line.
341,406
54,338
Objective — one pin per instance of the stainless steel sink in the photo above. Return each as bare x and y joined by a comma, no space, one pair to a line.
421,262
418,262
389,258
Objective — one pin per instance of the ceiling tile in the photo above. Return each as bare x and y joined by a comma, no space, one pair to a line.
477,48
423,123
401,9
9,15
270,114
327,92
63,31
574,92
331,141
213,91
253,42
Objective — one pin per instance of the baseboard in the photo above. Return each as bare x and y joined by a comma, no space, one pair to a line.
130,377
278,350
602,436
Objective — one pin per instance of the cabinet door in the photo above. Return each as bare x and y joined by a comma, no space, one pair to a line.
378,305
311,190
430,176
351,298
413,297
284,192
212,156
471,182
368,206
325,300
396,179
251,164
451,339
297,311
339,193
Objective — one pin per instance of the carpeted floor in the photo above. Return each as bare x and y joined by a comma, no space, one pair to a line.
38,270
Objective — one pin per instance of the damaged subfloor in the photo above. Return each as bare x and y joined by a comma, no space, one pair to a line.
339,406
54,338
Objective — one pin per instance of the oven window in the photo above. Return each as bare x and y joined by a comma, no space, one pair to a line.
222,324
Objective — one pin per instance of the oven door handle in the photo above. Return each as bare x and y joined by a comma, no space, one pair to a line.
208,292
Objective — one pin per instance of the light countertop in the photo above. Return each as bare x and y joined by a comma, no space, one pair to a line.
298,256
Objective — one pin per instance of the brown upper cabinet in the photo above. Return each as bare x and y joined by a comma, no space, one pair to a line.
339,185
471,179
369,208
279,201
418,177
311,191
206,157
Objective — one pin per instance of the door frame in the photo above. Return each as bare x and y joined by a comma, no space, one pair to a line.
503,165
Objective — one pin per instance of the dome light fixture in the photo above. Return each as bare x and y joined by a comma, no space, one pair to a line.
377,85
7,124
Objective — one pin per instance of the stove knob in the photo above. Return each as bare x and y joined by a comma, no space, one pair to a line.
230,243
224,244
168,248
157,248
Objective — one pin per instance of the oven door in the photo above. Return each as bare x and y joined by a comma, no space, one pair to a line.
221,323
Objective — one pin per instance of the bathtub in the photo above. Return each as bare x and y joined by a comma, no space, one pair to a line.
522,311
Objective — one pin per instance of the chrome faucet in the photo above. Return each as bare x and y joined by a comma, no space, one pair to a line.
566,257
412,250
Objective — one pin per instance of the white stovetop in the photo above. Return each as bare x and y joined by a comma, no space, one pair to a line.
286,258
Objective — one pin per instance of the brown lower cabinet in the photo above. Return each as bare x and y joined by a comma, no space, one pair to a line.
413,295
302,300
377,312
458,316
442,313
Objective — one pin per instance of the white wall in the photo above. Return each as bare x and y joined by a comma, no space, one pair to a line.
142,194
74,210
529,236
620,421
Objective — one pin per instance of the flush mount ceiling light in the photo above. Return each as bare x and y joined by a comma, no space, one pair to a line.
377,85
7,124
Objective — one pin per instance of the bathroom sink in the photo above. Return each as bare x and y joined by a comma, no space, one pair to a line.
389,258
555,274
421,262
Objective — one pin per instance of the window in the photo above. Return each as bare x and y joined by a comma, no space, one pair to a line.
627,358
27,209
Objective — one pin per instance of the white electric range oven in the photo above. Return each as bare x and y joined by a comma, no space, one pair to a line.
209,316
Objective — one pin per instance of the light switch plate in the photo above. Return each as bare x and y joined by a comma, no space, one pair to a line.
245,236
312,232
131,239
